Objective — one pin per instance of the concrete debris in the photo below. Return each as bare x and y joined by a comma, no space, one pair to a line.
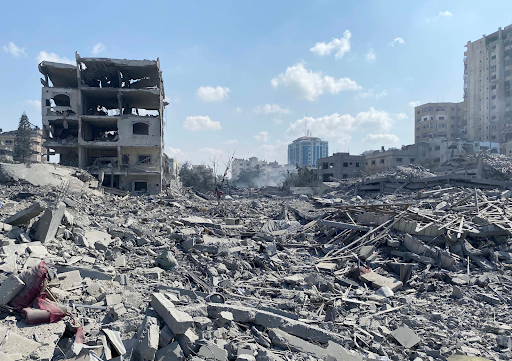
393,267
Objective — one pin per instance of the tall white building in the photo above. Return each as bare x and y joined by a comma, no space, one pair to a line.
487,91
305,151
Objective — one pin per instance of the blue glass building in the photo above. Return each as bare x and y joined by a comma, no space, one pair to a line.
307,150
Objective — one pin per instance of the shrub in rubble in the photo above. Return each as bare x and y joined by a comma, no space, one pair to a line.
200,178
304,177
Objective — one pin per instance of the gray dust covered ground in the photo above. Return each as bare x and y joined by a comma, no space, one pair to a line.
391,268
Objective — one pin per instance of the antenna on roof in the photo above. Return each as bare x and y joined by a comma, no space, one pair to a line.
306,125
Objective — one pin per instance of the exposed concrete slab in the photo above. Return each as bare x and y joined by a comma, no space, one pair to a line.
49,223
405,336
25,215
378,281
179,322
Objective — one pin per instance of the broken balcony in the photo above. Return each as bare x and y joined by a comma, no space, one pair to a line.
60,133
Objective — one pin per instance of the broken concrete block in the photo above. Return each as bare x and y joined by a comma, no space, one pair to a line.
117,311
384,291
224,318
366,251
149,337
25,215
49,222
166,260
120,261
405,336
378,281
113,299
212,351
187,342
504,341
179,322
10,288
457,292
171,352
166,336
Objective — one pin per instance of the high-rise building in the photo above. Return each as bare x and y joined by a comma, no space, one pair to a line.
487,92
439,120
106,116
305,151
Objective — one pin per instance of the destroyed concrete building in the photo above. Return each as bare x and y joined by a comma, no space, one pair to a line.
340,166
106,116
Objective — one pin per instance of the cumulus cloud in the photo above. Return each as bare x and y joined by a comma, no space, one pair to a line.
198,123
397,41
341,44
414,104
309,85
262,136
14,50
370,56
174,152
44,56
231,142
209,94
338,125
271,109
382,139
34,103
98,48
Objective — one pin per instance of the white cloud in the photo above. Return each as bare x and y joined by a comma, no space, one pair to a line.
231,142
341,44
382,139
238,110
174,152
198,123
414,104
401,116
262,136
34,103
98,48
274,152
14,50
44,56
370,56
338,125
310,85
371,94
277,121
381,94
442,14
397,41
211,152
271,109
210,94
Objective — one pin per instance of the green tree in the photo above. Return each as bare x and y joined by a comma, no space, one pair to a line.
22,149
199,178
304,177
248,177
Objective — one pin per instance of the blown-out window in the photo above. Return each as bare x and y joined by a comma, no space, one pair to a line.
140,128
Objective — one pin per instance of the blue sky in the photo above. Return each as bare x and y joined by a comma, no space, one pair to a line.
251,76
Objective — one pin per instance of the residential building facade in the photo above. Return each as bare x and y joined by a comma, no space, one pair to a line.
487,86
379,161
106,116
439,121
7,145
305,151
340,166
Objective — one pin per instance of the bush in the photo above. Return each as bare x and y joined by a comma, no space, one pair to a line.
200,179
304,177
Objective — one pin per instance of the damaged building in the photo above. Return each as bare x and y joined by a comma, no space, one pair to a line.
106,116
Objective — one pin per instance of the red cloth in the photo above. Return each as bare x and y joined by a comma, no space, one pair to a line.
218,192
56,314
33,278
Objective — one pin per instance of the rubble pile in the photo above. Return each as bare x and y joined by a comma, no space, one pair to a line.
492,166
414,275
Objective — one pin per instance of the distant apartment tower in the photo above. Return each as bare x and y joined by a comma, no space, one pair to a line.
487,91
7,145
106,116
439,121
240,165
305,151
